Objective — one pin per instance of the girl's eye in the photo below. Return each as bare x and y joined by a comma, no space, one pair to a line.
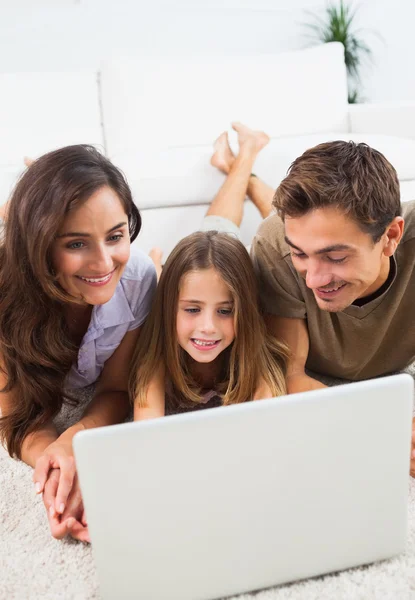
191,310
225,311
75,245
337,260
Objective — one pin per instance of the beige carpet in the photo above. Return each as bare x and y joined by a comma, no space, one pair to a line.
35,566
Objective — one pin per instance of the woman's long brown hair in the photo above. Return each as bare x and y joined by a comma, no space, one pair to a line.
35,349
253,355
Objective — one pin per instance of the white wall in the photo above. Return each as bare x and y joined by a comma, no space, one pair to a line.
78,34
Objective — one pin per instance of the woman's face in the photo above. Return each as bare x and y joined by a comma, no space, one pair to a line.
92,248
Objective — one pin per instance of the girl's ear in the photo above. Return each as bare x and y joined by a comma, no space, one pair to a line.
393,236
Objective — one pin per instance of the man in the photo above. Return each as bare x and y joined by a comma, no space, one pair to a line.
336,266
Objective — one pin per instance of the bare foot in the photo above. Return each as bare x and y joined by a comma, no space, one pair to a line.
28,161
249,138
223,157
3,211
156,254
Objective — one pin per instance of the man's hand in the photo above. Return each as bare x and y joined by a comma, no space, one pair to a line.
73,521
412,471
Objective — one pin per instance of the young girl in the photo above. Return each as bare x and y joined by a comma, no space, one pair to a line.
204,343
72,302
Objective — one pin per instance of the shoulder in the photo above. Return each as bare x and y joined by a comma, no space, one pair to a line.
139,267
408,213
138,283
270,238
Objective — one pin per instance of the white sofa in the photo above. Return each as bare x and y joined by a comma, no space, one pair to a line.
157,119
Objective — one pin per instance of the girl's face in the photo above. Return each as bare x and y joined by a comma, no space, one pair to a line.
92,248
205,315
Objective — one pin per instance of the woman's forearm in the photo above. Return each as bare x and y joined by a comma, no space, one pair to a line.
106,408
35,443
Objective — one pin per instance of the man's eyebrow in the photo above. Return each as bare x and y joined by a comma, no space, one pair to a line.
332,248
80,234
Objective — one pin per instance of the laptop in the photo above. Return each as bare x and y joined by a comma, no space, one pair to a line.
234,499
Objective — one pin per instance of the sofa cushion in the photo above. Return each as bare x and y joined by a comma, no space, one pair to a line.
164,227
275,159
43,111
184,176
182,101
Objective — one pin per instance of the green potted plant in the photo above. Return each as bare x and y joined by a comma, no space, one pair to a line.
338,25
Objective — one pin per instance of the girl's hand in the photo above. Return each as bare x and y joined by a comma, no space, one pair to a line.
262,391
58,455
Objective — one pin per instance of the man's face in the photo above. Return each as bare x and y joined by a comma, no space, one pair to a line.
338,261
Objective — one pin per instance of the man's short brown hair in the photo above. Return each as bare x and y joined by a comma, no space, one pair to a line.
352,177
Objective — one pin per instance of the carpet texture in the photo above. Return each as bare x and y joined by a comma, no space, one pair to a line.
35,566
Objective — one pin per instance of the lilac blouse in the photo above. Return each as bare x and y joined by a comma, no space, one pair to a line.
109,323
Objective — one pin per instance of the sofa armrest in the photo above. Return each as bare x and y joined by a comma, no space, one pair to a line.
397,119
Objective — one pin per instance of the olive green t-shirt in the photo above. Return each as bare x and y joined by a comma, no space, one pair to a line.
358,342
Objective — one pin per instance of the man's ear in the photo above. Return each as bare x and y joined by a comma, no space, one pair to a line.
393,235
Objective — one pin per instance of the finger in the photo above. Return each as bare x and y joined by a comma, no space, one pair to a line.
58,528
79,532
65,483
40,474
49,493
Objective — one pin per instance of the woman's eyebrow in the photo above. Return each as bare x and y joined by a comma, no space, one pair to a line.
81,234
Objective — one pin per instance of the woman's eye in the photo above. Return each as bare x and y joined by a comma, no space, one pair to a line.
75,245
116,237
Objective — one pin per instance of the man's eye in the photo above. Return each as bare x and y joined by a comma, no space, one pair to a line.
298,254
337,260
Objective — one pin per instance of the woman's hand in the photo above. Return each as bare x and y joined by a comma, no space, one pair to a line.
73,521
58,455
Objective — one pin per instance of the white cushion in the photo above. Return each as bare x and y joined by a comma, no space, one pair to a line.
184,176
407,190
164,227
172,177
184,101
274,160
44,111
8,178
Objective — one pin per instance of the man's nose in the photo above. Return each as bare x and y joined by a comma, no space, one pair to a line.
317,276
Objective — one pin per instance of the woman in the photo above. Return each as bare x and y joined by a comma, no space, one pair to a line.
72,302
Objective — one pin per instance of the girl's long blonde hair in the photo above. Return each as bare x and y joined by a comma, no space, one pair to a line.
253,356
